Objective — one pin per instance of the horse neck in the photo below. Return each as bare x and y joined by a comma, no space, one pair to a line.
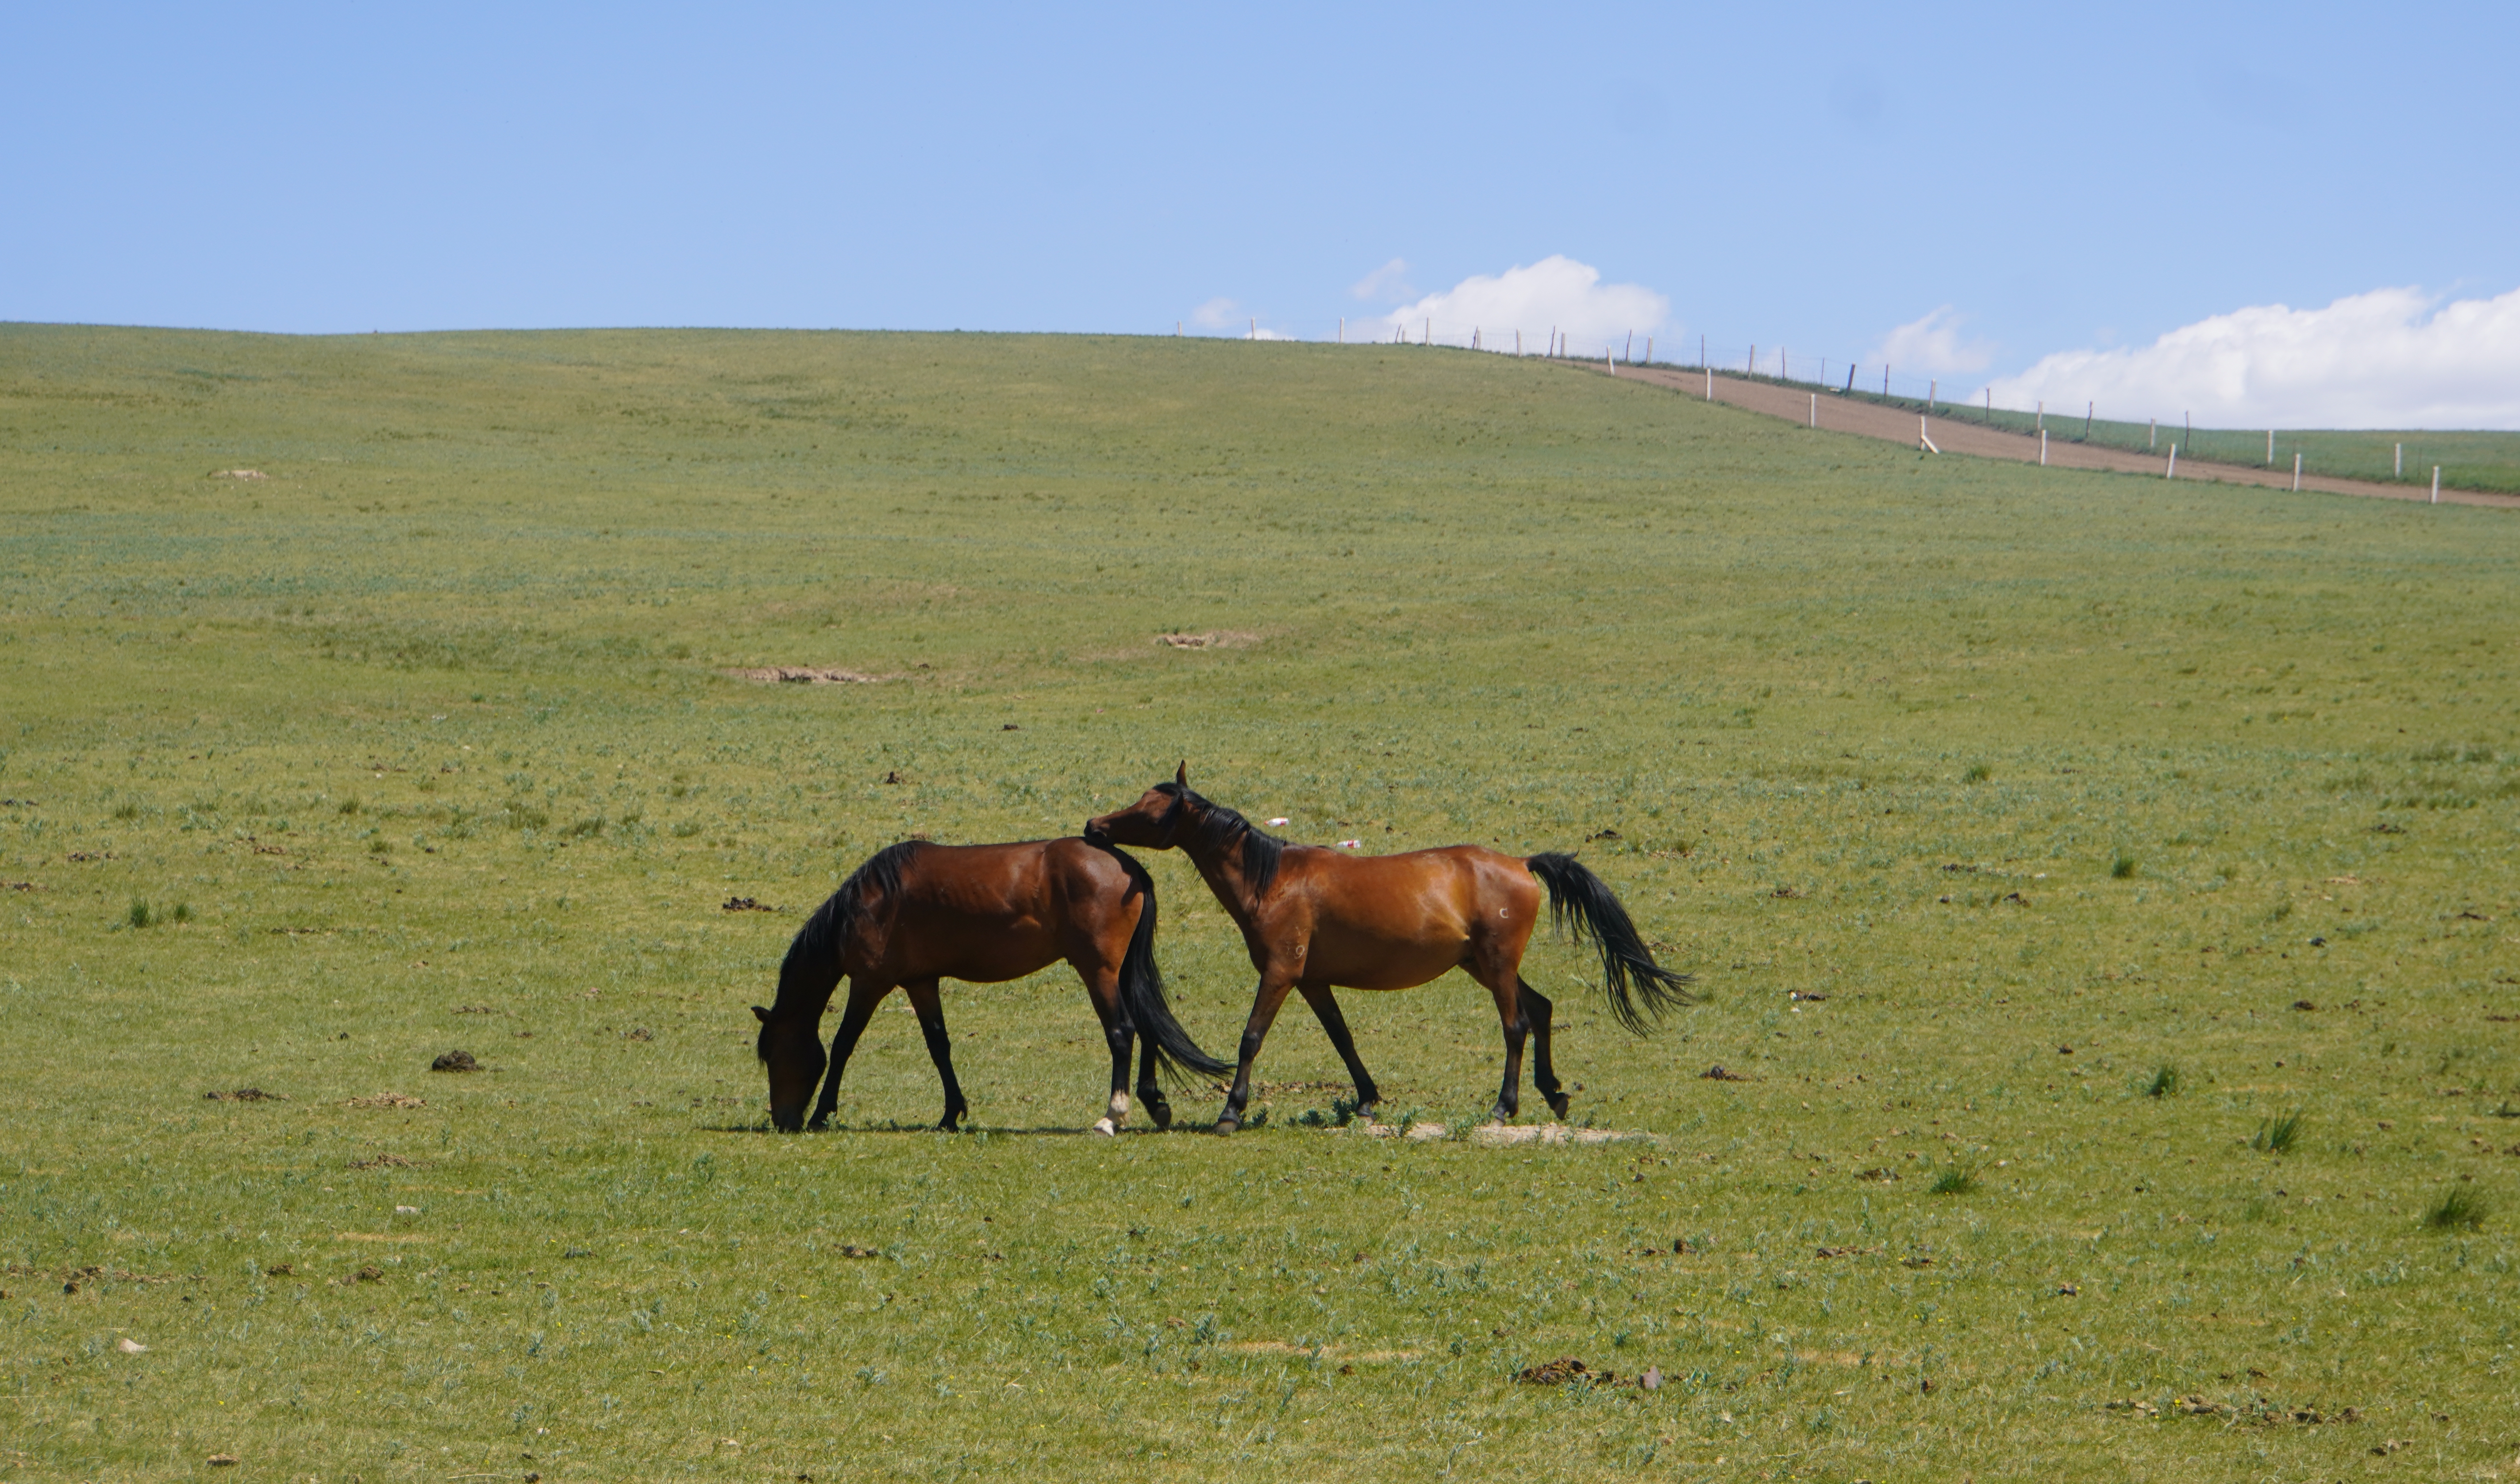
1222,870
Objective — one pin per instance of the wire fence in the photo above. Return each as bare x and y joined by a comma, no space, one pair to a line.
2472,461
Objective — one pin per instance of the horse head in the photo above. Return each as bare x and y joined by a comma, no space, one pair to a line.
1154,822
790,1046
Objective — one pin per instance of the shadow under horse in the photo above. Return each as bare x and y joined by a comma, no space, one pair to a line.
1315,919
917,913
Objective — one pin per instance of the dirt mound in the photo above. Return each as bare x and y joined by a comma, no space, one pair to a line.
244,1094
745,904
381,1162
386,1099
806,675
455,1062
1220,639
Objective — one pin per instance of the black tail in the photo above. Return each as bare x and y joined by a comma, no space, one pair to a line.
1141,989
1629,973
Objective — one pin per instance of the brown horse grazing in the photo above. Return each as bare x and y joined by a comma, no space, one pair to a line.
917,913
1313,919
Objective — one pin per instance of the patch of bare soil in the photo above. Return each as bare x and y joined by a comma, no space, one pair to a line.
1220,639
244,1094
381,1162
806,675
1566,1371
386,1099
745,904
240,474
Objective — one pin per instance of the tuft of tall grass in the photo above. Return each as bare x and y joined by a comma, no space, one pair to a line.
1955,1180
1977,773
2277,1136
2122,867
139,916
2164,1083
2460,1207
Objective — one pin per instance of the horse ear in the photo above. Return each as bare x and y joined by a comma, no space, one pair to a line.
1181,774
761,1014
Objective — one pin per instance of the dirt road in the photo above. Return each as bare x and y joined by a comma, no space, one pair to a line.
1952,436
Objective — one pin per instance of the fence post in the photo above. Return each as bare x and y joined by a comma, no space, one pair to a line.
2436,484
1754,359
2172,472
2089,408
1815,412
2043,448
2041,422
2152,438
1885,380
1611,366
1631,357
1649,350
2397,469
1710,382
1850,385
1342,339
2296,473
1930,389
1701,352
2271,448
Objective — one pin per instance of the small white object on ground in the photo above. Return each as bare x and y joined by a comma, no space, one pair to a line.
1350,844
406,1210
130,1346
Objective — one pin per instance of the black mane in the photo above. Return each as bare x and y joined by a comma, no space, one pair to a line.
813,963
1220,829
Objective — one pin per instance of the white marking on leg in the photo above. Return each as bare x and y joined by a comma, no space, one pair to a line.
1111,1121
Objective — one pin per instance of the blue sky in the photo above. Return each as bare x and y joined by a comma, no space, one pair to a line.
2036,179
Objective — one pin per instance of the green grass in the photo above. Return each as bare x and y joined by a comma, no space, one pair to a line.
488,591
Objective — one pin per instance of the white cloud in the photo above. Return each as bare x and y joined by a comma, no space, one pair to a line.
1389,282
1217,314
1555,292
1932,344
2390,358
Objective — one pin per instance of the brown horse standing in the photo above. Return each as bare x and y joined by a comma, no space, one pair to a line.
1313,919
917,913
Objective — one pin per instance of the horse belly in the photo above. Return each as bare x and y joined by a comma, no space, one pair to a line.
977,949
1368,960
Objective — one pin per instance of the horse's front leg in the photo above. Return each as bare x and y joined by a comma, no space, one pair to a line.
864,996
1273,984
940,1048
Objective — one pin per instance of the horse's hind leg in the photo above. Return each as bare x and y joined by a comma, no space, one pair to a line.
940,1048
1536,1008
864,996
1325,1009
1512,1012
1150,1093
1102,987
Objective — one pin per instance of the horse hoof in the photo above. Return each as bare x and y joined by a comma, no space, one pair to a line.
1501,1115
1228,1125
1158,1113
1106,1127
1559,1106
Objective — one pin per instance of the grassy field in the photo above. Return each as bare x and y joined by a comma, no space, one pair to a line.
2469,460
2103,890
